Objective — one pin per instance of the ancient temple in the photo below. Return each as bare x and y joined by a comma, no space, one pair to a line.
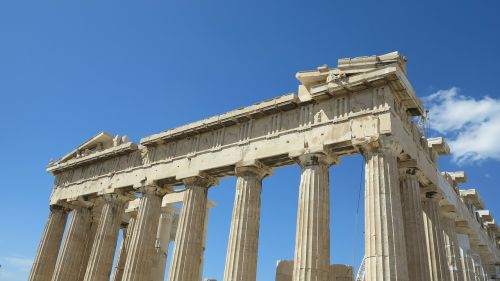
419,225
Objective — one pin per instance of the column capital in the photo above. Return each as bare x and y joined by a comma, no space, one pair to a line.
56,207
124,224
73,205
405,172
201,181
153,189
433,196
132,207
81,202
382,144
408,166
315,156
116,198
413,173
311,159
168,208
254,168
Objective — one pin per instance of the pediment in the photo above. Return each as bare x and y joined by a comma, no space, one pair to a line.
99,142
97,146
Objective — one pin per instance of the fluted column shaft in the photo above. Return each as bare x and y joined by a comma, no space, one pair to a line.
452,249
94,223
103,249
70,256
436,252
46,256
141,249
385,246
204,244
162,243
463,246
242,249
416,251
312,242
467,266
124,245
188,247
478,265
95,215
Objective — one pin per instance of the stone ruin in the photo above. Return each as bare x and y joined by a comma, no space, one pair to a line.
419,225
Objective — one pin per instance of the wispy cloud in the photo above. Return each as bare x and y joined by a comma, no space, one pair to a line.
472,126
14,268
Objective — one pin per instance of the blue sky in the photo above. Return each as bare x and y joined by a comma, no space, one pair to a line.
69,69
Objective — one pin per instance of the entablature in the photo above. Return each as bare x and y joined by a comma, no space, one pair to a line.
268,132
356,74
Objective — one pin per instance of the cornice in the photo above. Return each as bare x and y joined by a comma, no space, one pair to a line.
268,107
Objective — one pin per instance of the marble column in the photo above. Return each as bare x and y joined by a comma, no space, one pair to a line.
436,252
96,213
103,249
243,243
464,245
312,242
478,265
188,247
385,246
416,251
471,265
452,248
466,265
162,243
46,256
127,231
70,256
204,242
141,249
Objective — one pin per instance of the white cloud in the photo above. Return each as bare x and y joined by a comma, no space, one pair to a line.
471,126
14,268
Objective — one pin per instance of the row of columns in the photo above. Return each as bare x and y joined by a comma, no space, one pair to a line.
415,233
433,248
88,248
436,251
408,235
401,229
